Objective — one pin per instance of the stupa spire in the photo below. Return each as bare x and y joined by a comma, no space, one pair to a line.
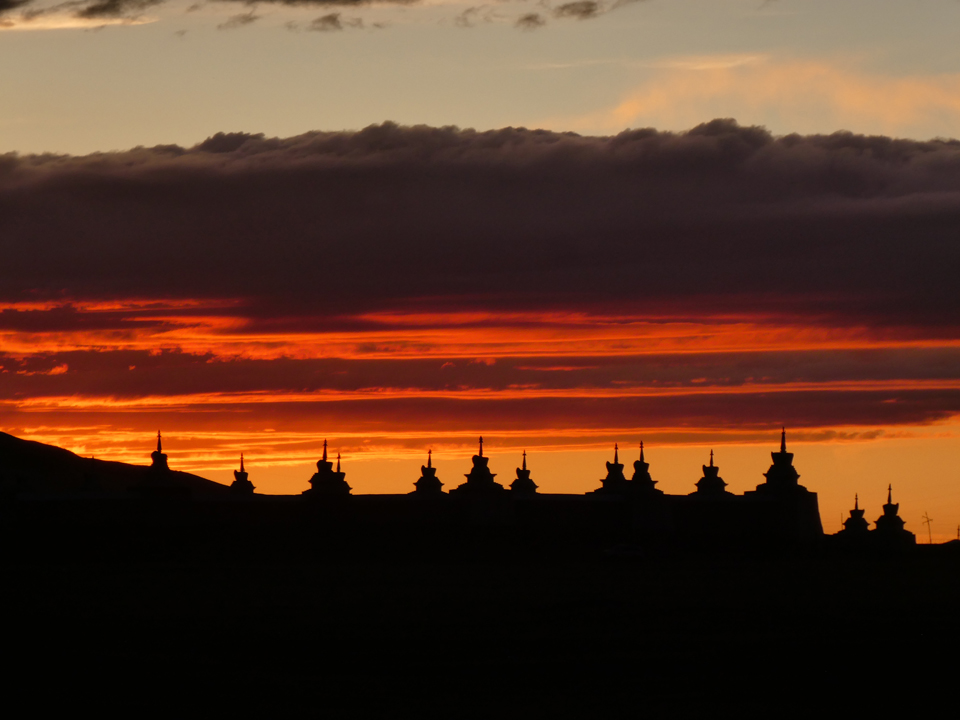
856,502
159,460
782,477
479,479
428,483
711,484
324,449
241,482
641,451
338,462
890,494
523,485
616,451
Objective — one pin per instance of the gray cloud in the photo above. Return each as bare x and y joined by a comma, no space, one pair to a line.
9,5
530,21
239,20
115,8
837,229
579,9
334,22
132,8
473,15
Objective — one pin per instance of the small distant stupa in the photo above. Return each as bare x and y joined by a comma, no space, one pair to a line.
327,482
889,526
241,485
479,480
159,459
856,525
429,483
615,483
159,481
523,485
641,483
711,484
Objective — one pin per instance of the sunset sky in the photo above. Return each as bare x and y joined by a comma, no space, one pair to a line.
254,226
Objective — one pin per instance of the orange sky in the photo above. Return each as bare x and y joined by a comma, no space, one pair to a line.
864,408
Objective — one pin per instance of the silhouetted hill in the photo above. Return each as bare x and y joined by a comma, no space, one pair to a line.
32,468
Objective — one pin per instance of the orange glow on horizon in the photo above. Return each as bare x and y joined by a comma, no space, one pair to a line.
220,381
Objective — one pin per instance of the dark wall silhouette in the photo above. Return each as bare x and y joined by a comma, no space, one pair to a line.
779,511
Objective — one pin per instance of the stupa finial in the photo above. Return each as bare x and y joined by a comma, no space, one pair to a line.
241,462
430,458
711,458
890,494
159,447
481,446
856,502
616,453
338,462
524,459
641,451
324,449
783,439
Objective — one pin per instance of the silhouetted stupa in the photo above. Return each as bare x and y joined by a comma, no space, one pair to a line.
159,460
327,482
782,477
523,485
711,484
792,511
158,481
615,483
429,483
855,526
241,485
479,479
889,526
641,483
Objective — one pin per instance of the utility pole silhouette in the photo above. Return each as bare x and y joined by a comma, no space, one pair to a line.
927,520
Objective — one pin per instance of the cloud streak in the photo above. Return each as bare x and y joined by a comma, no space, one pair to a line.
32,14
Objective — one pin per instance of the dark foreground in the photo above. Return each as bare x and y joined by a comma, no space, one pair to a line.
480,623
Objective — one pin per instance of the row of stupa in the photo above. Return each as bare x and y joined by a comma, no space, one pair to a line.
329,482
781,480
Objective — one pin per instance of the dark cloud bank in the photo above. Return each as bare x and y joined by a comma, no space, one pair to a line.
835,229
